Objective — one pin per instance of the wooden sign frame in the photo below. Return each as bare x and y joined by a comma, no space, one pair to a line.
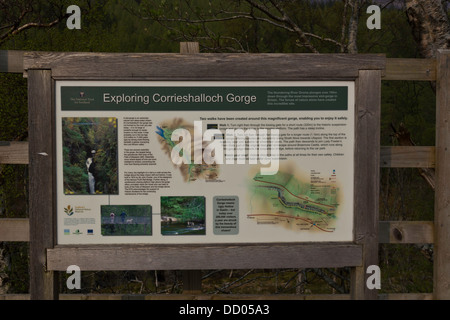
43,69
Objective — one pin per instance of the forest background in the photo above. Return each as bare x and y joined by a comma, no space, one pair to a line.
409,29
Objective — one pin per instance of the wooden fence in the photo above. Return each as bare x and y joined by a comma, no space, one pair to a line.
399,232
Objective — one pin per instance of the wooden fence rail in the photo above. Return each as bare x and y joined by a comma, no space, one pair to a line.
17,229
399,232
11,61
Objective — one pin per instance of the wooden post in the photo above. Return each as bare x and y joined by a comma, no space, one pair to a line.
192,279
43,283
189,47
367,178
441,281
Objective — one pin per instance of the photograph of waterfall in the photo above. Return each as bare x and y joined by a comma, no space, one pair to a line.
90,156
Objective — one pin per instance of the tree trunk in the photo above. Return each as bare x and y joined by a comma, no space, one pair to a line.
353,27
430,25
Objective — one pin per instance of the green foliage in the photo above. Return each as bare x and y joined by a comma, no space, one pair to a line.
405,268
184,209
17,272
106,26
412,103
13,191
14,109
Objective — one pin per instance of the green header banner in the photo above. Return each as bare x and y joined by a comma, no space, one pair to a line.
122,98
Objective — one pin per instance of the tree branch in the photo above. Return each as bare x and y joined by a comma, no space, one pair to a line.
303,39
35,25
16,29
337,43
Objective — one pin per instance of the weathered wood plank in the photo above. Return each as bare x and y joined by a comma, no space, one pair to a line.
189,47
206,66
410,69
43,284
407,157
196,257
367,164
442,192
15,152
11,61
406,232
396,68
16,229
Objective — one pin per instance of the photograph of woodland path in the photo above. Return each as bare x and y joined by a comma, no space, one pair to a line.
90,155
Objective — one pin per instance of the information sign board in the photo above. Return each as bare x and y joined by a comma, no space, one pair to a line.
204,161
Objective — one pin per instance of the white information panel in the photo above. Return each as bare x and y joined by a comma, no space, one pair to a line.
204,162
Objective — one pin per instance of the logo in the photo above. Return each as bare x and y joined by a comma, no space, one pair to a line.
374,280
78,232
374,21
214,152
81,94
74,20
73,281
68,210
66,232
90,232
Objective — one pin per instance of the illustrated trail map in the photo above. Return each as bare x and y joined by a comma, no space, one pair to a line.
295,204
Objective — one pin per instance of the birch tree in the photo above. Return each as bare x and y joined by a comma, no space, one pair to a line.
430,25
